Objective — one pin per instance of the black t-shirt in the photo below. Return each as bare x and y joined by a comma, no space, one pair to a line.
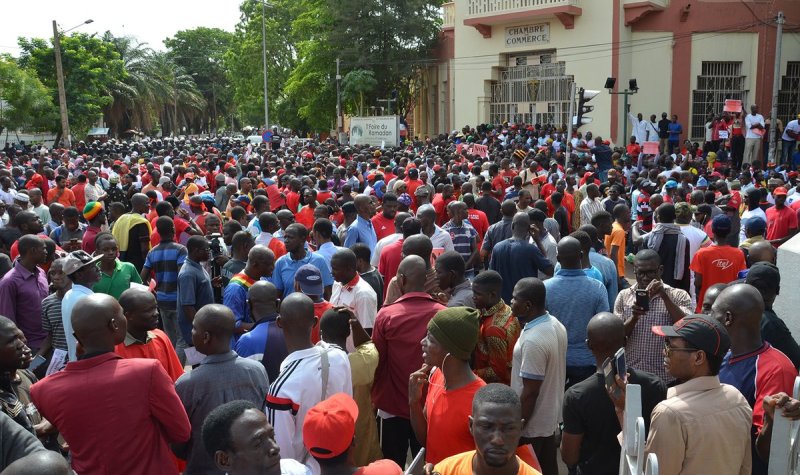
663,128
134,254
490,207
668,254
276,141
561,215
589,411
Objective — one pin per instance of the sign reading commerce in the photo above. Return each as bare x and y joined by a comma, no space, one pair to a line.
526,35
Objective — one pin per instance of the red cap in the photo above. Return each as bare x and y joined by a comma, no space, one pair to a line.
780,191
329,427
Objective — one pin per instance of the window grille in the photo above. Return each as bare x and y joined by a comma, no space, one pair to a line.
519,88
718,80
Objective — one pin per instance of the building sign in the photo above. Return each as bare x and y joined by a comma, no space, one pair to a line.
378,131
526,35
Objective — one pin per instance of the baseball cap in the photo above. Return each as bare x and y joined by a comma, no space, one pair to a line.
671,184
77,260
701,331
329,426
422,190
721,222
309,278
702,181
756,225
22,198
164,179
683,210
780,191
764,275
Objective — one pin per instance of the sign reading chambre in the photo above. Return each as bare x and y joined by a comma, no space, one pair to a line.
526,35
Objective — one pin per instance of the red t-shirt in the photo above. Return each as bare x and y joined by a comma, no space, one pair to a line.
480,222
780,222
293,201
181,225
447,413
547,190
305,217
323,196
440,205
319,309
383,226
389,262
499,185
717,265
159,348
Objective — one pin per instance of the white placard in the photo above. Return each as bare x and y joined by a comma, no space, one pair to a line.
526,35
378,131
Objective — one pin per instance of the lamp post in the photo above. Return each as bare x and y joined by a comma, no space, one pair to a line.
62,94
264,6
633,88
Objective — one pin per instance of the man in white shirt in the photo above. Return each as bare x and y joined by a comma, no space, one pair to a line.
308,375
789,139
754,133
639,127
390,239
353,292
93,190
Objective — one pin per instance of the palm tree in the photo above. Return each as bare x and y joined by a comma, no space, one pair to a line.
154,88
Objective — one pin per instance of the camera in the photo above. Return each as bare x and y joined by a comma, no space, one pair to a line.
215,242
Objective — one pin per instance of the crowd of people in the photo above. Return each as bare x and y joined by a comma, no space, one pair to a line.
207,306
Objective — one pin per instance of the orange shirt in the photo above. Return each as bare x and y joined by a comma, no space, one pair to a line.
617,238
305,217
66,198
158,348
461,464
717,265
447,413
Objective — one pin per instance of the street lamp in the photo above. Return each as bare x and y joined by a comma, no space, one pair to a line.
62,94
633,88
264,6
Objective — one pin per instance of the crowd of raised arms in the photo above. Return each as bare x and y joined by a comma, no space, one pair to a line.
300,306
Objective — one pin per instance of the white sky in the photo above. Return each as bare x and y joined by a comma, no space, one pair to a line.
150,21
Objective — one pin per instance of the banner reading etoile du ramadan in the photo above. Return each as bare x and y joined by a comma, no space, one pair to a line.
376,131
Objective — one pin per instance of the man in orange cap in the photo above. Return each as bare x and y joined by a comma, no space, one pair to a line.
781,219
329,436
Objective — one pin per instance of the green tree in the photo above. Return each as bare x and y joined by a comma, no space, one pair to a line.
24,101
201,52
244,64
91,66
355,84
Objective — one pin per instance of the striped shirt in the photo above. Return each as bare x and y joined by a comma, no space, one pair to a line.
235,297
166,260
463,236
51,321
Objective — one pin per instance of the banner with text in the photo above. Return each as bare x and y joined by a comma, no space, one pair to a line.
376,131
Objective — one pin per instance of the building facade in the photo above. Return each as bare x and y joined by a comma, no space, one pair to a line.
514,60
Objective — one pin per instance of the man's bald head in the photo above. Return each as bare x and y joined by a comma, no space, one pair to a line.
606,334
139,201
508,208
520,225
216,320
411,274
569,253
762,251
262,292
98,322
711,296
297,315
261,255
739,307
418,245
135,298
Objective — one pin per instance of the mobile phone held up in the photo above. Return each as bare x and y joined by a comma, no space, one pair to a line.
36,362
619,364
643,299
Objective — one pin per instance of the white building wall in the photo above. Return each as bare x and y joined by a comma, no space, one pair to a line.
651,65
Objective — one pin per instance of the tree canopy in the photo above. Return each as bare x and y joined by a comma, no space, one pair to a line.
24,100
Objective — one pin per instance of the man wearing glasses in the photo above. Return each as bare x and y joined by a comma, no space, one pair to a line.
703,426
666,305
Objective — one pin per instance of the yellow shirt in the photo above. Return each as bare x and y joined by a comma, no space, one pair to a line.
363,362
461,464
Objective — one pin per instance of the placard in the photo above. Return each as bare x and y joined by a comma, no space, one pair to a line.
527,35
377,131
480,150
650,148
732,105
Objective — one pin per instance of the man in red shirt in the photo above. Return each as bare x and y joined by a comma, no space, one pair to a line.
412,183
440,202
391,255
383,222
477,218
117,415
781,220
716,264
399,328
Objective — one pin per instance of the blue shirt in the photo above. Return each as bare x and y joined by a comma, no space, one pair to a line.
609,273
575,313
516,259
165,259
361,231
265,343
675,130
194,290
286,267
327,251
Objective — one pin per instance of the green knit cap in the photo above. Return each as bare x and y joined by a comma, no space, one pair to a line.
457,329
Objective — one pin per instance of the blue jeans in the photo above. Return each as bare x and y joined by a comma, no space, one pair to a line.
787,149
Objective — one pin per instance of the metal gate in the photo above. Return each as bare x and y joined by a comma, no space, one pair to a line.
789,94
531,94
719,80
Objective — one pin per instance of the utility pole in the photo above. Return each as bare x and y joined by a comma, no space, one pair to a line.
175,104
264,59
568,144
388,104
62,94
776,84
338,103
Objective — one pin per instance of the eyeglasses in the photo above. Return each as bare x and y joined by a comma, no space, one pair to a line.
646,273
669,349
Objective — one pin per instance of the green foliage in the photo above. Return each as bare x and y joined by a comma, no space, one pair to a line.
25,100
244,65
201,52
355,84
91,66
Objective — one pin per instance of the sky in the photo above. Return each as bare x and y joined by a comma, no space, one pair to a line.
150,21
